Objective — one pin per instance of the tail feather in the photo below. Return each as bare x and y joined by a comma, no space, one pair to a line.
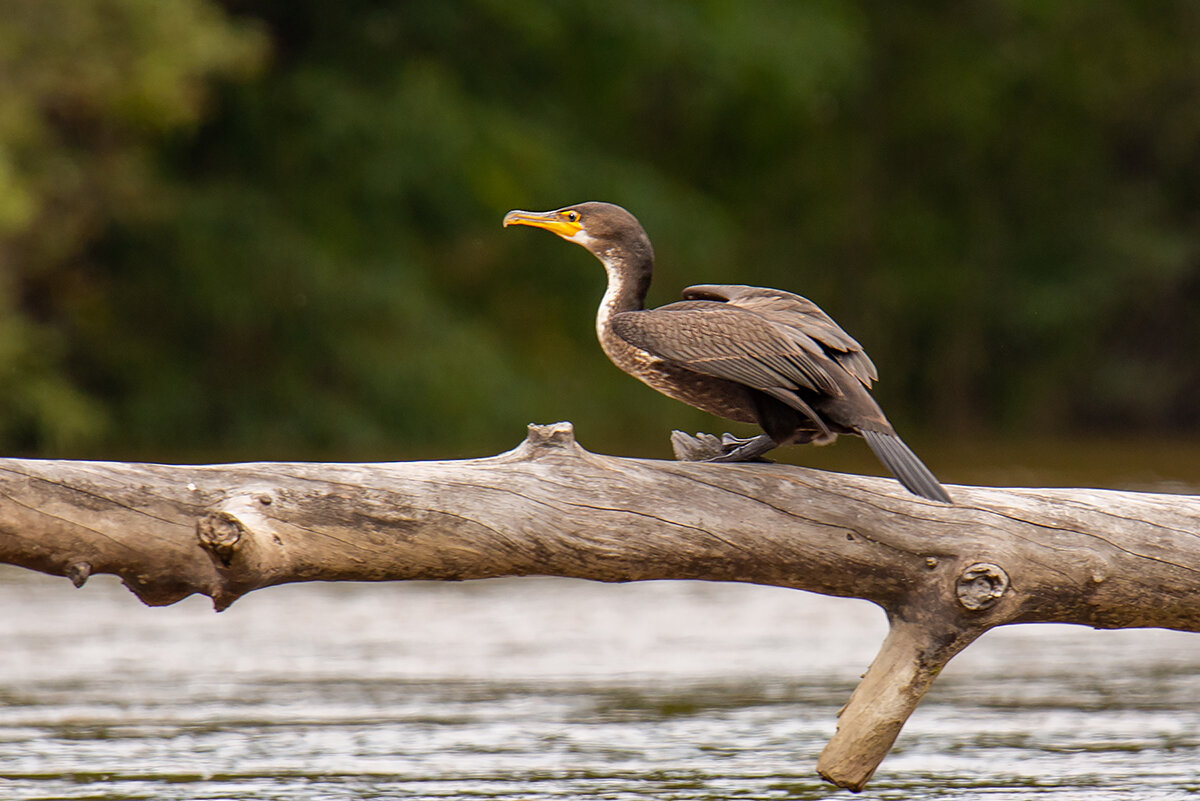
905,465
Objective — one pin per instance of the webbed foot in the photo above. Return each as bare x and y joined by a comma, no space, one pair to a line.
744,449
707,448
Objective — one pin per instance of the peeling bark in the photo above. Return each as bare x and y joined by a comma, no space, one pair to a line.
944,574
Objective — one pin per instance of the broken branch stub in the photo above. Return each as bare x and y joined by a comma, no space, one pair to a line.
944,573
980,586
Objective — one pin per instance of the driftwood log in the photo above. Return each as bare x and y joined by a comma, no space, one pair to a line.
944,574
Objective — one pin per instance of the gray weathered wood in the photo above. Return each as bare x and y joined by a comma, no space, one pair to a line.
944,574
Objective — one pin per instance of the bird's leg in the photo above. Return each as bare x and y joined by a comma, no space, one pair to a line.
739,449
730,441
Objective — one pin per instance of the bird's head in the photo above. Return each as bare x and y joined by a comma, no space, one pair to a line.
607,230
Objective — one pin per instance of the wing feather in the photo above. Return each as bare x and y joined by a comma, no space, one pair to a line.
727,342
810,324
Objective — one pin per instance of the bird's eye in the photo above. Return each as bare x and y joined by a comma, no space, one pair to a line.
572,216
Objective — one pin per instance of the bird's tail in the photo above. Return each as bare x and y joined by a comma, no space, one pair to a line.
905,465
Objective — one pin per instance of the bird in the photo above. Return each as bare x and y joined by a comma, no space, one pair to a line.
744,353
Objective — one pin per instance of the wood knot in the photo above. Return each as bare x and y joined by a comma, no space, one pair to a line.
220,533
981,585
553,436
556,439
78,573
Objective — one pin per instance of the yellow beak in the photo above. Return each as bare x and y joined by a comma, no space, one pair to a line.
553,221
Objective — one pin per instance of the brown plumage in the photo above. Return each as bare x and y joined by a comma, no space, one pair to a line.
745,353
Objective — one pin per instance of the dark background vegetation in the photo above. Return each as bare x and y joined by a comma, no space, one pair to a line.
270,229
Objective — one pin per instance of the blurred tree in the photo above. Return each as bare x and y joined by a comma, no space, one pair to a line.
92,88
353,195
998,198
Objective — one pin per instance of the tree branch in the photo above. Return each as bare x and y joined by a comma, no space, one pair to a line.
945,574
912,656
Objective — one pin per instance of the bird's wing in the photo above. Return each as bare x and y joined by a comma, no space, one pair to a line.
797,313
736,344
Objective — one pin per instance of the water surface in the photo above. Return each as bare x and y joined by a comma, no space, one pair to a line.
538,689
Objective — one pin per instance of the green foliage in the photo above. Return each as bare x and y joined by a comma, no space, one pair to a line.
998,198
91,89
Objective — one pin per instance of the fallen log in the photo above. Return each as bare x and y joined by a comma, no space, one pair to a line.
944,574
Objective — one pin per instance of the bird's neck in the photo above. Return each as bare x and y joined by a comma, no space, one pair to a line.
628,282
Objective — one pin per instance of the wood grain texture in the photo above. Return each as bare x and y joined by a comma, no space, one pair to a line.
944,574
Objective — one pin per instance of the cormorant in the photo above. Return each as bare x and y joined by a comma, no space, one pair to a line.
744,353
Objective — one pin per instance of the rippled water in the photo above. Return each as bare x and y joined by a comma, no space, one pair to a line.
540,689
